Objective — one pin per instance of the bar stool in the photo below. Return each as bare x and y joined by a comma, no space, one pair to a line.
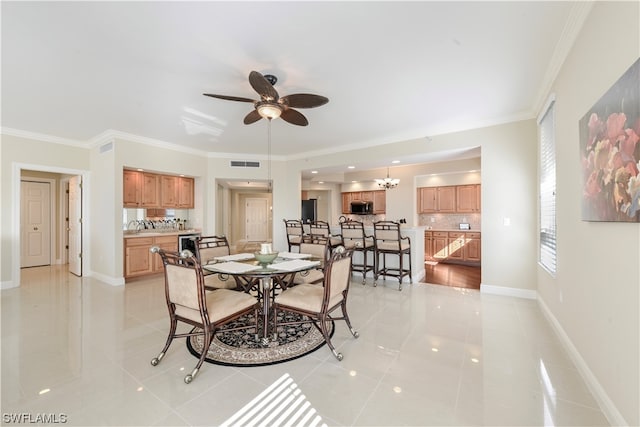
321,228
354,237
294,232
388,241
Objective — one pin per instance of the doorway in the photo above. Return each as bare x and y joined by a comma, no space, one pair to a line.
56,180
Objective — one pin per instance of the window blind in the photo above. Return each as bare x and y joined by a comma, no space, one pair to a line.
548,190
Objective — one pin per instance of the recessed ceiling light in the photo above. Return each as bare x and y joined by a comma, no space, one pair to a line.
395,161
320,182
351,167
353,182
314,171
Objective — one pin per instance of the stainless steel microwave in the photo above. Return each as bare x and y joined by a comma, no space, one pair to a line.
361,208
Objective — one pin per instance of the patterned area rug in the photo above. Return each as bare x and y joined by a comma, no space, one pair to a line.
240,348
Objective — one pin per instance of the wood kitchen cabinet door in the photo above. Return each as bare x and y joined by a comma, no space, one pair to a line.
185,193
379,202
455,245
150,190
131,188
467,198
472,247
446,199
169,191
428,245
167,243
427,197
346,203
138,259
440,245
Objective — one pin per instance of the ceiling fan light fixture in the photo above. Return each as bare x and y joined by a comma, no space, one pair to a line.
269,110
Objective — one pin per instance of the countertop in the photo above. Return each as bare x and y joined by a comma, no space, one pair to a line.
128,234
453,230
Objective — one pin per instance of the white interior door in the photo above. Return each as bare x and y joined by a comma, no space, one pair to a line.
75,225
257,214
35,214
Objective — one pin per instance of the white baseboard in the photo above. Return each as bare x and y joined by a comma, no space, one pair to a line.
606,405
509,292
113,281
9,284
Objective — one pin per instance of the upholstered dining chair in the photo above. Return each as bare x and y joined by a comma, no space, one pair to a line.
294,231
207,249
189,302
389,241
354,237
318,302
318,247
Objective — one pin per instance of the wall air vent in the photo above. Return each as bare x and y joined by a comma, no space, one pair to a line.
244,164
106,147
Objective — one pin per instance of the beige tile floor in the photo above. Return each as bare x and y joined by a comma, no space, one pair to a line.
79,350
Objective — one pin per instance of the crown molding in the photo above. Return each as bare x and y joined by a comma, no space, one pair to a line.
575,21
42,137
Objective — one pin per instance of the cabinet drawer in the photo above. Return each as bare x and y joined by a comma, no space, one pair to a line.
138,241
440,234
166,240
473,235
456,234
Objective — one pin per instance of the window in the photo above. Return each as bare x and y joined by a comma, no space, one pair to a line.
548,188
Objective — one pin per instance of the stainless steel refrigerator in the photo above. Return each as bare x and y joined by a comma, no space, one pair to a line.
309,211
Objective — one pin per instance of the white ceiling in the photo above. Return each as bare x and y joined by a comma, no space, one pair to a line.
392,70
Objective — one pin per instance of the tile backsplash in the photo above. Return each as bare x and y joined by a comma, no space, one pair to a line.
450,221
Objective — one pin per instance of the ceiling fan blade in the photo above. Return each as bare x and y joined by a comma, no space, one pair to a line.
252,117
263,87
304,100
229,98
294,117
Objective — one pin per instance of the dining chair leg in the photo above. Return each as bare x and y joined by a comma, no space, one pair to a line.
172,332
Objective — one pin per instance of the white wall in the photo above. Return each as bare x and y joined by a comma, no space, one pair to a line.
595,294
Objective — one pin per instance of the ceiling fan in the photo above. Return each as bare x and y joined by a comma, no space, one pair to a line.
271,106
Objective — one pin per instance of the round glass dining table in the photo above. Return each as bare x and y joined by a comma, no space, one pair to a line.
264,279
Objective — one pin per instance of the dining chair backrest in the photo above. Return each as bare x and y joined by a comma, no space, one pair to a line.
337,276
388,237
184,286
319,228
353,235
318,246
210,247
294,231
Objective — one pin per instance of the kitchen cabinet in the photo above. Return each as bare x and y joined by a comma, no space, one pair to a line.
428,245
437,199
169,191
131,189
137,256
167,243
185,192
472,247
467,198
149,190
455,245
440,249
449,199
377,197
138,259
452,246
379,202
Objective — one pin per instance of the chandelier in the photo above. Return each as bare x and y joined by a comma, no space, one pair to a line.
387,182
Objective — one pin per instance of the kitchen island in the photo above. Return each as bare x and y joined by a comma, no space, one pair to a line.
416,234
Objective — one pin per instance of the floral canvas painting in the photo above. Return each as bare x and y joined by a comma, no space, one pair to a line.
610,153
